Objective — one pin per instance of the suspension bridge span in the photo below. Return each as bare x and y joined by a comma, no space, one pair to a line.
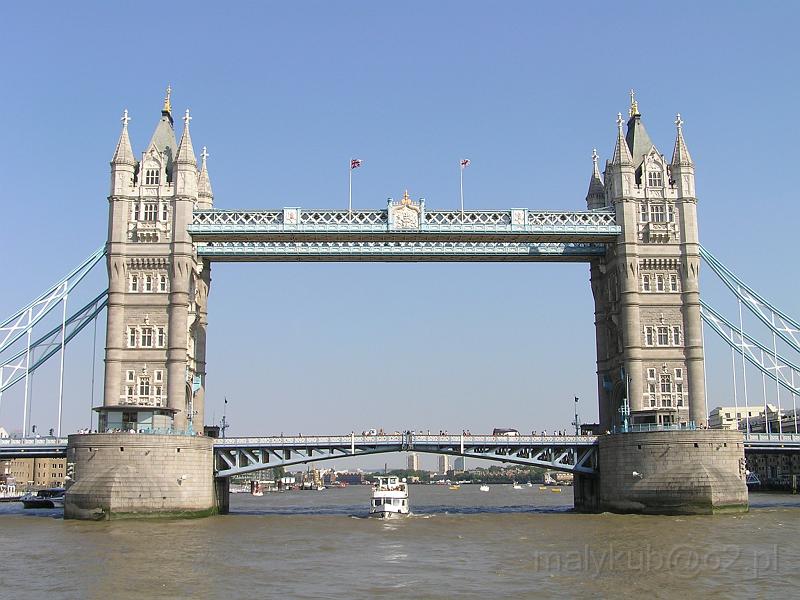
637,232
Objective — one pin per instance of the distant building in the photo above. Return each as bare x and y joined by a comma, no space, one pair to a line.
732,417
444,463
458,464
37,472
413,462
350,478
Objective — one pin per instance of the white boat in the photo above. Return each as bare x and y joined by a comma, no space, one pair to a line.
517,486
484,488
389,497
529,484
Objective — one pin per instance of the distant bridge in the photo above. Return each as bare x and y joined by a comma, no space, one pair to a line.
235,456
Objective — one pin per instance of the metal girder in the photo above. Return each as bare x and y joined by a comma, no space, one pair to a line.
398,251
45,447
18,324
776,320
577,454
517,224
14,369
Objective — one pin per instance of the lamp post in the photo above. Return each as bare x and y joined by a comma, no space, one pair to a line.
577,425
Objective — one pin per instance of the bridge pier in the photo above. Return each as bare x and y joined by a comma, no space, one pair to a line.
667,472
128,475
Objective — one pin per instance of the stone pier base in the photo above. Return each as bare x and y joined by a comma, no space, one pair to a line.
129,475
667,472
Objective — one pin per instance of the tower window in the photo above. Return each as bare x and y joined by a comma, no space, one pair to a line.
648,336
654,179
148,283
673,283
159,375
164,212
659,283
131,376
663,336
131,337
643,212
651,390
162,283
657,214
646,282
676,336
162,338
679,392
651,373
152,177
147,337
666,384
144,386
679,373
150,211
134,283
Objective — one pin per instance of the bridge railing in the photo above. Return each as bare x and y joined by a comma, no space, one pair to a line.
402,438
27,442
793,438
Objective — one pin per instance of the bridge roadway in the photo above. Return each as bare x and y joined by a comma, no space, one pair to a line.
233,456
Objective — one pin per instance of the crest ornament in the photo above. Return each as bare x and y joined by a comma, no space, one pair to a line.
406,214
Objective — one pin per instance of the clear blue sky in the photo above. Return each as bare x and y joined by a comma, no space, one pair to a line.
284,94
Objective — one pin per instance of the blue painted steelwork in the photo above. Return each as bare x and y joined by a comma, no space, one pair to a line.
18,324
563,453
399,251
509,225
49,343
43,447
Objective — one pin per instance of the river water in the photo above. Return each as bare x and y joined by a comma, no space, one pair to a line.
503,543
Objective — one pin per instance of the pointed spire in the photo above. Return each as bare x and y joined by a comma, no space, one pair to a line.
166,110
680,155
633,111
621,156
185,149
123,155
203,181
596,188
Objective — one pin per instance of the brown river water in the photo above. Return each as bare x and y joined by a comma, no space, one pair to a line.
503,543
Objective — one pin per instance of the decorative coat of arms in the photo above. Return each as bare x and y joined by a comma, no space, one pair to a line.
405,214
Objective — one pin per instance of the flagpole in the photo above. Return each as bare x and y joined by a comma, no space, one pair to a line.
350,194
461,177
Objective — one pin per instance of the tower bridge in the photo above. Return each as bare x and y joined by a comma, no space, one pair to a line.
637,231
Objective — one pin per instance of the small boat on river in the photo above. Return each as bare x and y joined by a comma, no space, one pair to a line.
484,488
389,497
47,498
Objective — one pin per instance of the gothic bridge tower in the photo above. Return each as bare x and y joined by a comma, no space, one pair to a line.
158,288
647,306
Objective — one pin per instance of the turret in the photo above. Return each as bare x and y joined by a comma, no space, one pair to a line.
619,171
682,167
596,196
205,196
186,163
123,163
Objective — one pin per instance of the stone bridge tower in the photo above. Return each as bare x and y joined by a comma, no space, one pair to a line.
647,305
158,288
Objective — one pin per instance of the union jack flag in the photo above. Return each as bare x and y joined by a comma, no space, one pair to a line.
355,163
464,163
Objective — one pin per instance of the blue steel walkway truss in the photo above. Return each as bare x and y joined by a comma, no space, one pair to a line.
293,234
